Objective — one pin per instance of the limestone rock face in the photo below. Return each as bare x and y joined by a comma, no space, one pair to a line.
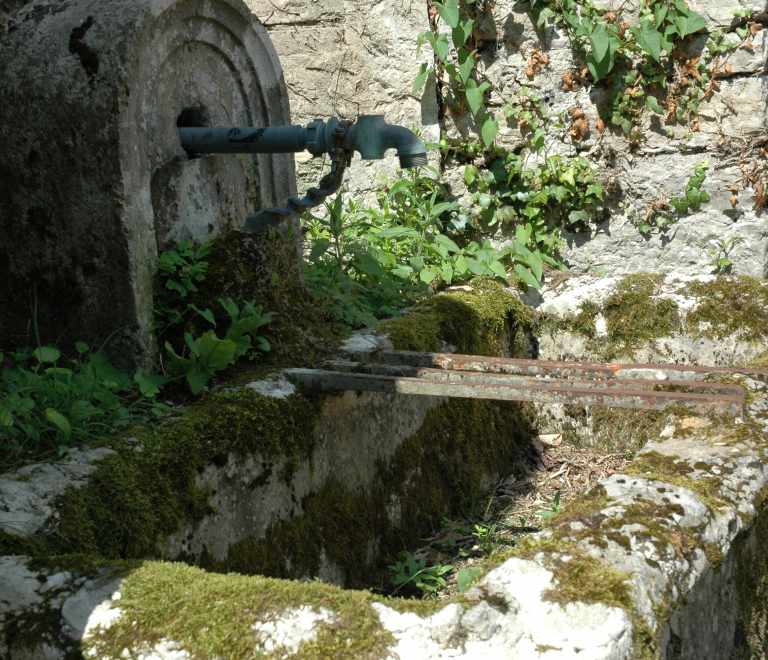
341,60
93,179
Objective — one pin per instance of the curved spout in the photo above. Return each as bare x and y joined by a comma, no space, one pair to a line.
373,136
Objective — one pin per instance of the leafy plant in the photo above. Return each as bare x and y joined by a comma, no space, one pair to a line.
466,576
183,267
408,571
50,403
553,510
209,354
631,60
694,196
721,262
459,64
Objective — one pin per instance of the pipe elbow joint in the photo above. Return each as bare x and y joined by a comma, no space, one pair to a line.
373,137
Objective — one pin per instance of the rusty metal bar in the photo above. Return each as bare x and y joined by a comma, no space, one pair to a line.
323,381
513,379
588,370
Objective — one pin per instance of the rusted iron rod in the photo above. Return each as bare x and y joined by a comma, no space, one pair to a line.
590,370
323,381
545,381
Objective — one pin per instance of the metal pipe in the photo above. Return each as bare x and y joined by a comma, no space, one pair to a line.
371,136
275,140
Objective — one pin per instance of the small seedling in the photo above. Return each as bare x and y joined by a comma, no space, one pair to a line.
554,509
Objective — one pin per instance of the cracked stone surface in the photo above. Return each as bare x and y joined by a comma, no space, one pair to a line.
27,496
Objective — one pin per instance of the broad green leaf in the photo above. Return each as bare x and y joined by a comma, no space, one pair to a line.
149,384
207,314
578,216
465,577
6,417
395,232
461,264
475,94
599,68
498,269
695,22
369,265
55,417
198,377
446,272
447,242
398,186
696,198
402,273
652,103
485,200
648,39
421,77
466,64
46,354
106,371
600,42
679,204
179,365
461,33
439,45
525,275
428,274
490,129
318,250
470,174
81,347
449,12
216,354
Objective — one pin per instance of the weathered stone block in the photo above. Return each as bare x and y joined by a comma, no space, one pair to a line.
93,179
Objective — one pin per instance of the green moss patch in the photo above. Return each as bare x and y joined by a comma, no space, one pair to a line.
730,305
438,471
477,322
635,316
136,497
212,615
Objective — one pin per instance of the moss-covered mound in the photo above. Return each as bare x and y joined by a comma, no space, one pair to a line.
635,314
488,320
146,490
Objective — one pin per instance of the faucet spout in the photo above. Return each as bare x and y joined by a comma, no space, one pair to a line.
373,137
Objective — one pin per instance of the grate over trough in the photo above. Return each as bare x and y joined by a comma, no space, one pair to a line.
643,386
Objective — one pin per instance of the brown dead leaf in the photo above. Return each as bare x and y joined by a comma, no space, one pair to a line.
759,198
734,200
754,28
690,69
610,16
748,47
580,128
576,113
728,68
600,126
478,36
679,55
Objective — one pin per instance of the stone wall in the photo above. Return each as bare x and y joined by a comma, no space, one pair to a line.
343,58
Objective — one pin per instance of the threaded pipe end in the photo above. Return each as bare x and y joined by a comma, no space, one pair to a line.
413,160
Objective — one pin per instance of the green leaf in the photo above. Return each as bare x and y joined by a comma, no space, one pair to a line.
439,45
490,129
55,417
524,274
648,39
428,274
465,577
216,354
82,347
149,384
6,417
447,243
653,105
679,204
599,68
46,354
418,83
198,377
461,33
366,263
107,372
475,94
470,174
207,314
449,12
497,268
466,64
695,23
